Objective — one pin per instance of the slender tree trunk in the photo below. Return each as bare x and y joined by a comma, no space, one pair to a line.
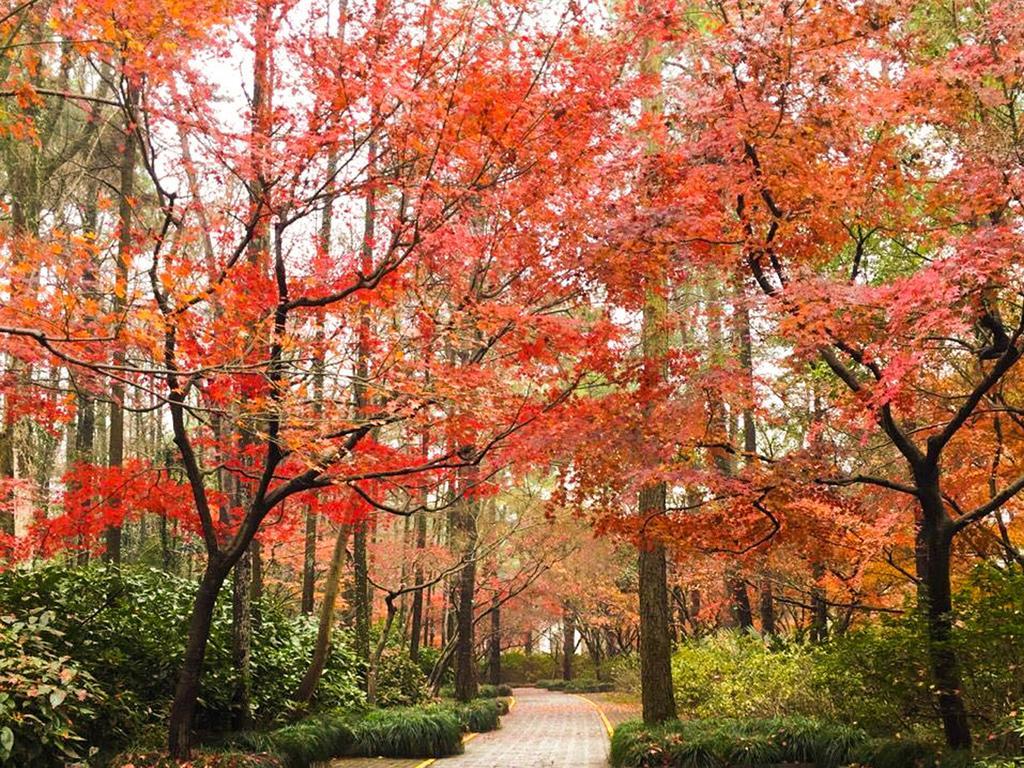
321,650
417,596
309,563
742,613
361,593
421,544
494,649
657,696
187,690
568,642
241,641
465,661
115,443
767,607
937,534
819,607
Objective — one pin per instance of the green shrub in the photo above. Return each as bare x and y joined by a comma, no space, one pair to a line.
588,686
733,674
414,732
624,672
312,740
48,703
518,667
494,691
400,681
126,628
552,685
733,743
200,759
428,659
479,715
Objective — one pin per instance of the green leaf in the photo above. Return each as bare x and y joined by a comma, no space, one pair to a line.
6,740
57,697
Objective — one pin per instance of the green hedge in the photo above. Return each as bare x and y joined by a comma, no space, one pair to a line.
480,715
730,743
585,685
434,731
767,743
429,731
494,691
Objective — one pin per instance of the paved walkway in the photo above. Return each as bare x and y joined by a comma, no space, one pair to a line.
545,729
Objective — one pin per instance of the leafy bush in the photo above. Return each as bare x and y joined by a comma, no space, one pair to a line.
552,685
200,759
126,628
624,672
400,681
309,741
433,731
733,674
428,659
494,691
480,715
518,667
588,686
47,702
733,743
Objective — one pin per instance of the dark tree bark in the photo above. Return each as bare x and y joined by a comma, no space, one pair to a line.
115,444
767,607
416,620
936,533
657,696
322,647
465,662
309,562
494,646
742,613
241,641
187,690
568,642
819,608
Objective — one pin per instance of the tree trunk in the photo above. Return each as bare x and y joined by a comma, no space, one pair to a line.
657,696
361,593
465,662
309,562
187,690
819,608
767,607
417,596
322,647
742,613
115,445
568,642
936,537
241,641
494,655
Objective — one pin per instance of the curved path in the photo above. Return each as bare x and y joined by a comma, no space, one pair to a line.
544,730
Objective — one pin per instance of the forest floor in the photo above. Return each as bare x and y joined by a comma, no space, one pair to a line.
545,729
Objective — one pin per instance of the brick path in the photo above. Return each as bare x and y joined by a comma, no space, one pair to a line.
545,730
617,707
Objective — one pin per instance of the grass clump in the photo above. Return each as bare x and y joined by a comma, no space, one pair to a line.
480,715
312,740
494,691
552,685
588,686
734,743
407,732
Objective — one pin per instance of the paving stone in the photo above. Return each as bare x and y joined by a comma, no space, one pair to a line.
546,729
